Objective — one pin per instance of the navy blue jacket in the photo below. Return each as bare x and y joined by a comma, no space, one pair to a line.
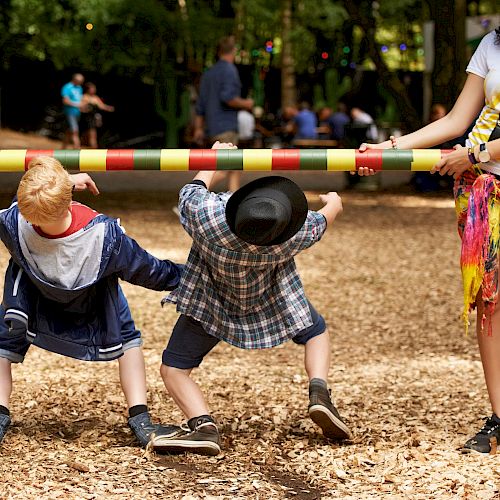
83,322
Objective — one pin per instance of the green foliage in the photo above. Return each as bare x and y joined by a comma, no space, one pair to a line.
310,18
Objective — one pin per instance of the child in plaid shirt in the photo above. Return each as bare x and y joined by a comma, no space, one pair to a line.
241,285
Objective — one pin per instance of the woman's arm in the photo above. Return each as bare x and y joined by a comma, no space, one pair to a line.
455,123
101,105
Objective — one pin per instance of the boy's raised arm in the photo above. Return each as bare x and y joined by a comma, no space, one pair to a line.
332,208
81,182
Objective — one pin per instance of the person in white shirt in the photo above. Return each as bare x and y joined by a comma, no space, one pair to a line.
476,169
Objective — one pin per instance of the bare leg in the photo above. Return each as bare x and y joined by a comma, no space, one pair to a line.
489,348
66,139
133,377
184,391
321,409
76,139
317,356
92,138
5,382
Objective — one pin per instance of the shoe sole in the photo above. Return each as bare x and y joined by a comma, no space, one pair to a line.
469,451
331,426
182,446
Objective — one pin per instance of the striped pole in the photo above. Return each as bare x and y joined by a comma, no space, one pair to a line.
103,160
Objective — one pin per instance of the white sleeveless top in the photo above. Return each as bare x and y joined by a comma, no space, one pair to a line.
486,63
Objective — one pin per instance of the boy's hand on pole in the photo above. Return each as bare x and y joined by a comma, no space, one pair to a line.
224,145
333,200
332,208
81,182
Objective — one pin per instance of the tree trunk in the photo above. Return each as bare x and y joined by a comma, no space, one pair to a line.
449,50
288,85
360,11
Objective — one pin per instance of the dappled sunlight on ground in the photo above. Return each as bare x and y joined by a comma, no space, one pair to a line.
405,377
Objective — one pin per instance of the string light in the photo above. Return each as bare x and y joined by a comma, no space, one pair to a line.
89,26
384,48
324,55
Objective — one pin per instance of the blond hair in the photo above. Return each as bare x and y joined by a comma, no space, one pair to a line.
45,191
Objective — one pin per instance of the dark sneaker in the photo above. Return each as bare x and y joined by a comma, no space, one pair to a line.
144,429
4,425
486,440
324,414
202,437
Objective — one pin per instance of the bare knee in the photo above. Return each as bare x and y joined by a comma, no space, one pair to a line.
169,374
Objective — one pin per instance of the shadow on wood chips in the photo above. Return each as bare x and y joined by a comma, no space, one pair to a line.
403,375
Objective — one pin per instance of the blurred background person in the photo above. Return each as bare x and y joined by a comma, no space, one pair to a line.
362,120
425,182
219,101
338,122
91,118
246,129
72,93
305,122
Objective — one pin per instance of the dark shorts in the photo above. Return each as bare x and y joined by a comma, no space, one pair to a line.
16,340
190,343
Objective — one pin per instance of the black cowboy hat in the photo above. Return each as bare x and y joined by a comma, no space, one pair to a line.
267,211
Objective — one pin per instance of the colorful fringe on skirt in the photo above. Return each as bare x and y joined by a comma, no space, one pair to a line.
477,205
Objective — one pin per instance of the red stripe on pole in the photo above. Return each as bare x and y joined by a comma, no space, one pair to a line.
371,158
203,159
286,159
33,153
120,159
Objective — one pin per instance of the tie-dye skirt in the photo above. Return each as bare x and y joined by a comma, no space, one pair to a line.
477,204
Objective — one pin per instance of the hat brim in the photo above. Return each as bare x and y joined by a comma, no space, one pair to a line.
298,203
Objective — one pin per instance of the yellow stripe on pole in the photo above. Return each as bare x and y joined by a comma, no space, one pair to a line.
341,159
93,160
174,159
257,159
424,159
12,160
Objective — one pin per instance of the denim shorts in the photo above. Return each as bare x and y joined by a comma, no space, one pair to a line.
73,122
190,343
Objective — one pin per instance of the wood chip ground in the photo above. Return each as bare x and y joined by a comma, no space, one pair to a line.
404,376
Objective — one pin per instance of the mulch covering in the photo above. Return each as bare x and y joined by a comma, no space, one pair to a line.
404,376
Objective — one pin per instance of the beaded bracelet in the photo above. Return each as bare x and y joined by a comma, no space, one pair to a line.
471,155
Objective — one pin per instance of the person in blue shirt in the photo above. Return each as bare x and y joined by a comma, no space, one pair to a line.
72,93
338,122
219,101
303,122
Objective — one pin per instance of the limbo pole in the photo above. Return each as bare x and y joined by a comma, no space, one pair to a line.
102,160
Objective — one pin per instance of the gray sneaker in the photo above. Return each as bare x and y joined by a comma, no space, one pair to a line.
201,436
4,425
144,429
324,414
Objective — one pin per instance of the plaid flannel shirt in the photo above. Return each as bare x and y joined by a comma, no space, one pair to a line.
247,295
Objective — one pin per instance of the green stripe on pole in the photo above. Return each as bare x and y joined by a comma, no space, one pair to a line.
70,158
147,159
397,159
230,159
313,160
